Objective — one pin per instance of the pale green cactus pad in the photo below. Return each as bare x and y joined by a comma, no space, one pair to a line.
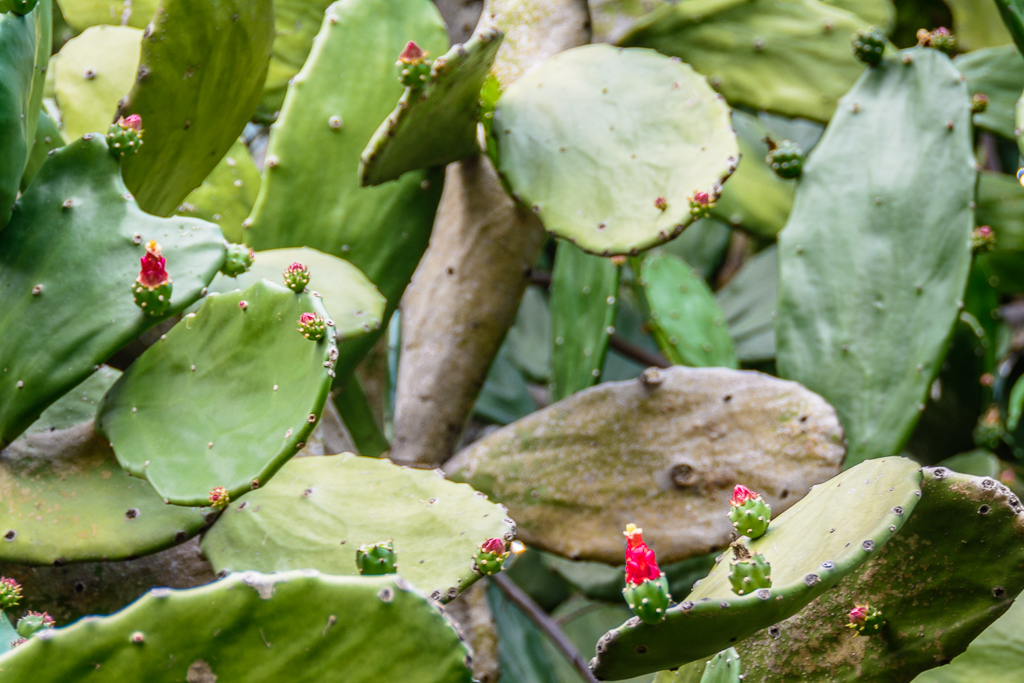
799,62
67,500
67,261
725,667
411,137
672,445
317,511
593,138
584,301
81,14
998,74
225,398
354,304
683,315
256,628
297,22
94,71
902,235
315,146
227,195
200,77
748,303
950,571
48,138
836,528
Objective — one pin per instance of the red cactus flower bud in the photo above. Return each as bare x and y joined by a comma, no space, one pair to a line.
412,54
219,497
660,204
741,494
859,614
641,564
307,318
10,593
296,267
134,122
702,198
494,546
154,272
987,379
47,620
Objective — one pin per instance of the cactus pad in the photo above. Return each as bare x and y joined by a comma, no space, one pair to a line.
436,525
81,14
78,405
998,74
228,395
683,314
902,236
67,500
950,571
351,300
259,629
449,101
66,262
671,444
592,138
199,79
227,194
811,547
584,301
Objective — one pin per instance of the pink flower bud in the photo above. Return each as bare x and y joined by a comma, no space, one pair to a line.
702,198
153,272
741,494
219,497
296,267
660,204
412,54
134,122
307,318
859,614
494,546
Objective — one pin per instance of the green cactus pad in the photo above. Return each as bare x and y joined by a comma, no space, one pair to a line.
81,261
224,399
228,193
595,136
302,516
24,54
754,198
69,501
81,14
297,22
48,138
950,571
725,667
584,301
672,445
302,627
901,236
748,303
315,146
449,101
351,300
998,74
78,405
996,656
684,317
811,547
93,72
200,77
798,62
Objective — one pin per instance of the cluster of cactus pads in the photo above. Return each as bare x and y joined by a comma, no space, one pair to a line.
309,309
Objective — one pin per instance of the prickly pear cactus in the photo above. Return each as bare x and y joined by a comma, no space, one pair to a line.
569,154
869,45
67,262
436,526
376,559
222,631
239,259
786,159
748,572
748,512
238,360
227,195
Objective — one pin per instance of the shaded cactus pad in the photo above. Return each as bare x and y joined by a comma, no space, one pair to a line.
225,399
591,139
317,512
67,260
255,628
669,446
811,547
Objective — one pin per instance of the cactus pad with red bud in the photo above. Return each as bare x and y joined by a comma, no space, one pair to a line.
749,513
34,622
125,135
414,65
865,619
312,326
296,277
219,497
10,593
490,556
979,103
646,590
238,260
151,290
983,238
701,204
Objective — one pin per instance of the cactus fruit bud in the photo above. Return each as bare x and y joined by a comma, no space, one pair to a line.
151,291
646,590
700,205
238,260
219,497
10,593
865,619
414,66
125,135
312,326
786,158
377,558
982,239
32,623
869,45
748,573
490,556
296,277
989,431
660,204
750,515
979,103
940,39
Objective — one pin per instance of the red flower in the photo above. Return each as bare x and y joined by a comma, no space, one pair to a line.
134,122
412,54
741,494
153,273
640,561
494,546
